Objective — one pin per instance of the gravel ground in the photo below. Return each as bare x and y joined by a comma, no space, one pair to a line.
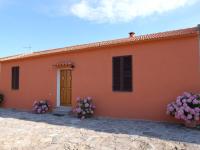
27,131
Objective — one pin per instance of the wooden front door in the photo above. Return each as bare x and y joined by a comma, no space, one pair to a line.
65,87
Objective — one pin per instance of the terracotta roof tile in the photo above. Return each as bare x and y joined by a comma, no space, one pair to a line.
135,39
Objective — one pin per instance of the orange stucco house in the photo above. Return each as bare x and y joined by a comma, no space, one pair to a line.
134,77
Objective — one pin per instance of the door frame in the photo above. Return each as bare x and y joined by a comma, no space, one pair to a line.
58,87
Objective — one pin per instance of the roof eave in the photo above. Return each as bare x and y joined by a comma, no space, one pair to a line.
97,45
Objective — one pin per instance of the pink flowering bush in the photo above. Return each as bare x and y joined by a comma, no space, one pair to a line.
41,107
84,108
186,107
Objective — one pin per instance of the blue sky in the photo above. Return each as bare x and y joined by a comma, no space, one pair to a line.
50,24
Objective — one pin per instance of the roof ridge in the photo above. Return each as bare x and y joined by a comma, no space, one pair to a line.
175,30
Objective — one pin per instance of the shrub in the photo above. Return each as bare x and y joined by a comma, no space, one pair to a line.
84,108
41,107
1,98
186,107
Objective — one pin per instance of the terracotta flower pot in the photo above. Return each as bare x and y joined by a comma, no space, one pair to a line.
190,124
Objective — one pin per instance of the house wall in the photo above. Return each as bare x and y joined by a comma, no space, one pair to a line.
162,70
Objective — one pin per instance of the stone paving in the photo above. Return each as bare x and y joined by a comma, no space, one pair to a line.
27,131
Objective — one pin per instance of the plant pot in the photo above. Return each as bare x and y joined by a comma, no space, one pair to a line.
191,124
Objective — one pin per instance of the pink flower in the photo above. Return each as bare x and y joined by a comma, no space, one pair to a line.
179,98
86,105
187,109
184,100
195,96
189,100
89,98
195,101
39,110
187,94
185,105
180,112
171,108
179,103
197,109
189,116
78,99
192,111
78,110
35,102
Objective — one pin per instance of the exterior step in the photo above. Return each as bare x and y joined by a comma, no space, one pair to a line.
59,111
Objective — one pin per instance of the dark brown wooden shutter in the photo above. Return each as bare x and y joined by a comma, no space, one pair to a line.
15,78
116,73
122,73
127,73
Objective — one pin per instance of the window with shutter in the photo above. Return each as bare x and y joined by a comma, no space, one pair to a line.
122,73
15,78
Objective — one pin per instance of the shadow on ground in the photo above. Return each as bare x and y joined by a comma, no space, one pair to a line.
165,131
